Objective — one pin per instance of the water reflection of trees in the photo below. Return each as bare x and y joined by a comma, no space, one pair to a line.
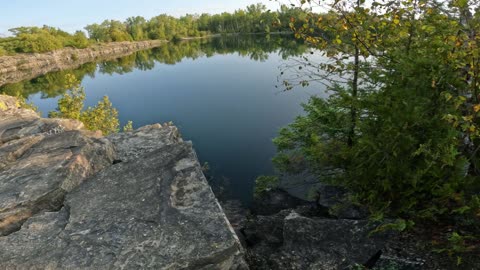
49,85
257,48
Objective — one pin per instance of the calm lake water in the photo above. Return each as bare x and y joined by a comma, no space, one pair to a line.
220,93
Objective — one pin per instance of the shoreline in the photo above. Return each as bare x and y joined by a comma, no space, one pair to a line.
234,34
27,66
20,67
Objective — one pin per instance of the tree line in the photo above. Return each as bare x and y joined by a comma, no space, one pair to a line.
253,19
55,84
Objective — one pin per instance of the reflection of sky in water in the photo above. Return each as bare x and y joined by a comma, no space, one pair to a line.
226,104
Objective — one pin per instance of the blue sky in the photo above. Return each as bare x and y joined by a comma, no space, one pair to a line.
74,15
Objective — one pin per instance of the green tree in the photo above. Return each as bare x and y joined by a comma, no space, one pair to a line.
102,117
136,27
71,104
401,126
253,19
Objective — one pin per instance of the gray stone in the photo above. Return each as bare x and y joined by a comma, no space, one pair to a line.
156,212
64,205
305,185
338,242
289,240
273,201
339,205
237,216
132,145
41,160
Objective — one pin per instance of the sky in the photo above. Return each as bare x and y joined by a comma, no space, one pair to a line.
74,15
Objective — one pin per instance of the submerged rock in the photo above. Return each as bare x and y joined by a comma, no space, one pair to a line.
72,208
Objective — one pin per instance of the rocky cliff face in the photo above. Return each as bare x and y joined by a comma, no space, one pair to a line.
72,199
28,66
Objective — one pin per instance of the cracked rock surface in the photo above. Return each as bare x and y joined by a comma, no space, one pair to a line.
153,209
41,160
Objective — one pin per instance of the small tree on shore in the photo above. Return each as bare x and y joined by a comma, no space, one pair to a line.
102,117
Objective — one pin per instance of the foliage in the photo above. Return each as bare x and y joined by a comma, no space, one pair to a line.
44,39
54,84
457,244
401,124
71,104
399,225
128,127
109,31
264,183
253,19
23,103
102,117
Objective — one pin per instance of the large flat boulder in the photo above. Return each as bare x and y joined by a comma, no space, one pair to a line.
71,199
156,212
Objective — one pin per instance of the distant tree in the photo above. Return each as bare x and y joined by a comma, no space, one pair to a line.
253,19
79,40
108,31
96,32
136,27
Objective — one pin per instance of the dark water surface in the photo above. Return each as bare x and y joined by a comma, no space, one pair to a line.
220,93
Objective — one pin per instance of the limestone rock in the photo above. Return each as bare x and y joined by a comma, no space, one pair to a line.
156,212
40,161
131,145
63,205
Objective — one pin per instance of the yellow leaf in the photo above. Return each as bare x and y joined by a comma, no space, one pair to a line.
468,118
338,40
476,108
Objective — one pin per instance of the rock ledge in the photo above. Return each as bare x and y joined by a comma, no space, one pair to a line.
63,205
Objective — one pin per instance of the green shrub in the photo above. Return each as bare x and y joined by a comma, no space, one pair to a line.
102,117
405,161
79,40
38,42
44,39
264,183
128,127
